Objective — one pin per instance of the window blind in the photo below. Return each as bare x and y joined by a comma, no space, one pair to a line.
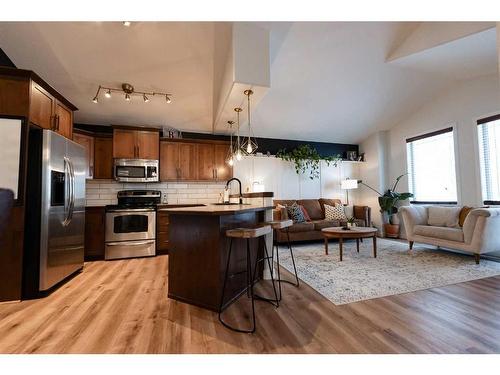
488,131
431,167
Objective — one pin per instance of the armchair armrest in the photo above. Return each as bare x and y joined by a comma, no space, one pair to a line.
363,213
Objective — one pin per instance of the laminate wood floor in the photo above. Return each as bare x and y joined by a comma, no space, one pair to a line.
122,307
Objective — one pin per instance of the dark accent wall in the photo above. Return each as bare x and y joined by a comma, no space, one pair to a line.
266,145
5,60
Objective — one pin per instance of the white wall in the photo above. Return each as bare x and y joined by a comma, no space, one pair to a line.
459,106
280,177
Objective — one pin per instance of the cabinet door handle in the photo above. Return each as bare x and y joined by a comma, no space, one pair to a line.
216,174
57,122
53,122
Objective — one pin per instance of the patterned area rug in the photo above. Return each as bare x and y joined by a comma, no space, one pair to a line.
395,270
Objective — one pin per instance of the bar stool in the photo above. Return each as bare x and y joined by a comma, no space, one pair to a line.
248,233
283,225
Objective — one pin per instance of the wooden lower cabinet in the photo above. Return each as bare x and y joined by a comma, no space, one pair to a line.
103,158
94,233
162,224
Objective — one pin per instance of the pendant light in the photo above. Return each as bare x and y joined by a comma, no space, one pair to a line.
230,153
249,146
238,154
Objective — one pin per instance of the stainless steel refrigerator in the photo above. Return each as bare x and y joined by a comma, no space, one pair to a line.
56,198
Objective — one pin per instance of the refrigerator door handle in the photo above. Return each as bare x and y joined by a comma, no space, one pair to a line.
72,197
67,191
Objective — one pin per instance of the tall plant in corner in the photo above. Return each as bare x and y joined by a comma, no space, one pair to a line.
390,198
307,158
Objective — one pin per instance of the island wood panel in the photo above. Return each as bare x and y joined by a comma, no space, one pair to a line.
198,254
206,162
120,307
103,158
162,233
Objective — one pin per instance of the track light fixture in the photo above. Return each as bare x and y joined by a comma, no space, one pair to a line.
127,23
129,90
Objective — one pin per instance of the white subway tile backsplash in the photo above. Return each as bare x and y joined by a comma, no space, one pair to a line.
103,192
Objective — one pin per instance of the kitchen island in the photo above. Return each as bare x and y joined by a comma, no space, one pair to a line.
199,249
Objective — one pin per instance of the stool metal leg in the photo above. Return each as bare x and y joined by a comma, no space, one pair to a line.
293,258
250,285
296,283
275,301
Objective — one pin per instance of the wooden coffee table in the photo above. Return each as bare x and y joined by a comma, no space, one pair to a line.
353,233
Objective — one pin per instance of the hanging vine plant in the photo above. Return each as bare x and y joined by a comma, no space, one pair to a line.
306,158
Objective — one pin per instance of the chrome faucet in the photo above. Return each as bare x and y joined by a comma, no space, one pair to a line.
235,179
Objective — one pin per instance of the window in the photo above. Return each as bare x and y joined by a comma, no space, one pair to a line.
488,131
431,167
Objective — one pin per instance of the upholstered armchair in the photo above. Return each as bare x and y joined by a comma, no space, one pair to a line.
479,234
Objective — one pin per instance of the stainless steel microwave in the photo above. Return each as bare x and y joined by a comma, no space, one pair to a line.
136,170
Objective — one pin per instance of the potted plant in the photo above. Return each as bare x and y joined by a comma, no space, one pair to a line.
306,158
350,222
388,208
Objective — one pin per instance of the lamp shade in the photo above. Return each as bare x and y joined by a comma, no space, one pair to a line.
349,184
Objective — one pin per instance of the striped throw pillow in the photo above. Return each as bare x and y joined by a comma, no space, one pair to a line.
335,212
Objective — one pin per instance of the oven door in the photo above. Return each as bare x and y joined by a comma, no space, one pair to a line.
130,225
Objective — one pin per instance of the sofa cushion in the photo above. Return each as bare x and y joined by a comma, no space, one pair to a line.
322,224
295,213
445,233
306,214
313,208
301,227
330,202
443,216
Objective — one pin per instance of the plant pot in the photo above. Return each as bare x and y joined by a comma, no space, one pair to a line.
394,219
391,230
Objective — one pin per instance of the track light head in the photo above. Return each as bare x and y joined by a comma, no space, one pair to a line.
127,23
146,99
168,99
96,99
107,94
127,97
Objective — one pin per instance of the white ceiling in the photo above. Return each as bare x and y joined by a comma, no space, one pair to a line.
329,81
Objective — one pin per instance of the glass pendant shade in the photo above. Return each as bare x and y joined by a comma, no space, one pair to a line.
250,145
237,150
230,152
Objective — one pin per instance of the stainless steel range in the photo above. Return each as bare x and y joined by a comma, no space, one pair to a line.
131,224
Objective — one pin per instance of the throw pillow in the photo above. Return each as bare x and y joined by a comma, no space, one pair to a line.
295,213
463,214
443,216
304,211
335,212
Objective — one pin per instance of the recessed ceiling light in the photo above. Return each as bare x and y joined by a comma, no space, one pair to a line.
127,23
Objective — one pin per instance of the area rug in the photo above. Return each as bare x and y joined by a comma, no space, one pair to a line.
395,270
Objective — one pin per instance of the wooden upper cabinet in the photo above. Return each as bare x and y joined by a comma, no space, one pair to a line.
124,144
136,144
148,145
63,120
206,162
223,171
88,143
188,161
103,158
42,107
169,161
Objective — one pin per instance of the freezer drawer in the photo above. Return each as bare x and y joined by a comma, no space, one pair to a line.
130,249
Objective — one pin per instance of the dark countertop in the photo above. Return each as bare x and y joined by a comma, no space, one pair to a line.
216,209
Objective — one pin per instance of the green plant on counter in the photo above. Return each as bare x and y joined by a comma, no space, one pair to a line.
307,158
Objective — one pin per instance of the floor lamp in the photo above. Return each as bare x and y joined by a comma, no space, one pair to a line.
348,184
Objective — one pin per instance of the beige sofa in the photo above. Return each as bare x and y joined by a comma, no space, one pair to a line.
479,234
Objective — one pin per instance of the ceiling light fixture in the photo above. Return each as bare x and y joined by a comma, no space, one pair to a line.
127,23
250,145
129,90
237,147
230,153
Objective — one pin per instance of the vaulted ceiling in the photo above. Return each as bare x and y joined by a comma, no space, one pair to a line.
336,81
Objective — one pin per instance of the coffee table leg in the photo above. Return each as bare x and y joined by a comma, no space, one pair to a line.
340,247
374,246
357,244
326,246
